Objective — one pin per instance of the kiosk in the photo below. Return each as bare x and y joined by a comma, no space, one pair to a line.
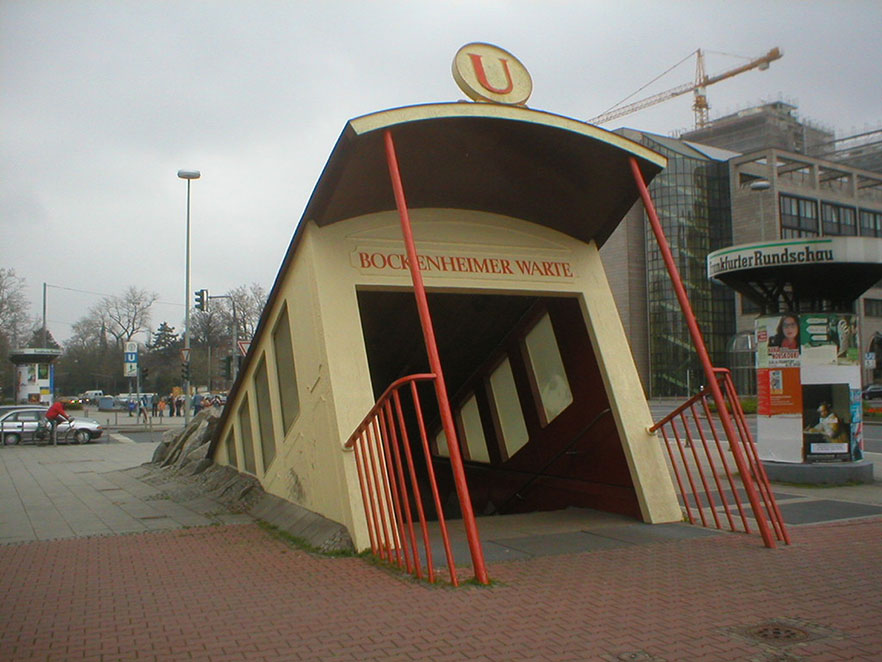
35,374
808,361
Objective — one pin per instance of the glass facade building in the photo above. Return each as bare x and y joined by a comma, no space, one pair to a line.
693,203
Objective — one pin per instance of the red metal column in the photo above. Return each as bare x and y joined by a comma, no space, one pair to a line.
704,357
459,478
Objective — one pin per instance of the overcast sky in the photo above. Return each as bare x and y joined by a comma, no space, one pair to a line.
101,103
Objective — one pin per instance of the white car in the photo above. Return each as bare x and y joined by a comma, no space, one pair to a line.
23,425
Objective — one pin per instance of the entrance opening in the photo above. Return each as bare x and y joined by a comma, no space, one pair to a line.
530,407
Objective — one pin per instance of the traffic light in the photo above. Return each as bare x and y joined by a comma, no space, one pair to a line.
185,370
201,300
144,373
228,367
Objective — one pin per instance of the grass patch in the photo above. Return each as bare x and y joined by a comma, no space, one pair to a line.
305,545
441,576
386,566
748,404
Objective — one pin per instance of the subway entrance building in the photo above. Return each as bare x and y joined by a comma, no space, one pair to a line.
441,341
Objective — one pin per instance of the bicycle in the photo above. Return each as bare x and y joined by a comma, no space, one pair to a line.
69,435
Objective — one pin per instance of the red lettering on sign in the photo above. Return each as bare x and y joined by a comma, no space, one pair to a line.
478,65
463,264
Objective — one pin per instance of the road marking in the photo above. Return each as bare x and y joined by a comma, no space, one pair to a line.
123,438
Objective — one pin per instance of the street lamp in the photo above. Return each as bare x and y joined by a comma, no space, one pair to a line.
188,175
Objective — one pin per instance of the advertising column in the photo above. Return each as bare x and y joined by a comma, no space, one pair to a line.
808,388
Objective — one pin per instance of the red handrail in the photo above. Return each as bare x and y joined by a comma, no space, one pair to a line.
700,347
446,414
390,490
710,458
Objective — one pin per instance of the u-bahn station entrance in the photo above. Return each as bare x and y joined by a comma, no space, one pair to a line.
441,341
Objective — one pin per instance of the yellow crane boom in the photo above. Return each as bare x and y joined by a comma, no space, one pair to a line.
702,80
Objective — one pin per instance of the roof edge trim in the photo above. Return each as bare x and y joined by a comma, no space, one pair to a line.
391,117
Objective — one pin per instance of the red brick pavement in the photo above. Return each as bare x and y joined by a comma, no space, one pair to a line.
236,593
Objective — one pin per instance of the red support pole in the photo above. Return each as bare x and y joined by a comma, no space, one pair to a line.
704,357
459,478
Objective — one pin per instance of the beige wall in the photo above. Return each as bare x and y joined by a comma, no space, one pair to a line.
624,259
310,467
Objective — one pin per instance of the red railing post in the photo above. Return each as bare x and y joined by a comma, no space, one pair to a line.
459,478
704,357
369,514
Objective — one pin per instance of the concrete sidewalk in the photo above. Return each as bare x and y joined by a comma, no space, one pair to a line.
51,492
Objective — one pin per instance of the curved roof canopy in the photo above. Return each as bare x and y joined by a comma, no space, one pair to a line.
543,168
801,274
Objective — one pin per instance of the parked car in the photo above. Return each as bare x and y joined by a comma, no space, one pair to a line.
20,425
7,408
872,392
91,397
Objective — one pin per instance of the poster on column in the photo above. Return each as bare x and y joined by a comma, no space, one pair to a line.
832,414
829,339
777,362
779,389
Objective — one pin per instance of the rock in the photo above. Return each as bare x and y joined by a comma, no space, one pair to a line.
202,465
160,452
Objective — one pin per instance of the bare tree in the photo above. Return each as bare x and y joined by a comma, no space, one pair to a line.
15,323
126,315
249,300
209,327
88,332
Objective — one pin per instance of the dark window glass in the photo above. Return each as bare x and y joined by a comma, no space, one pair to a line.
286,376
247,437
838,220
231,449
871,223
799,217
264,414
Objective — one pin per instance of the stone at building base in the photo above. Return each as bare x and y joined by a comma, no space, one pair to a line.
820,473
319,532
182,455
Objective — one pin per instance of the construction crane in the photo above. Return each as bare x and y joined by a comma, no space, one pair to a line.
698,86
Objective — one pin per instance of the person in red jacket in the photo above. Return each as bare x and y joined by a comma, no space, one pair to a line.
55,412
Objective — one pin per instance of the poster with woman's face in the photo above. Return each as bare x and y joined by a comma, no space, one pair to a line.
777,360
778,341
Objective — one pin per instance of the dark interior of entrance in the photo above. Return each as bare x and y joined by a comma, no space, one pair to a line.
531,410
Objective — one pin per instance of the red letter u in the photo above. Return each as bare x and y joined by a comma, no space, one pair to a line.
478,65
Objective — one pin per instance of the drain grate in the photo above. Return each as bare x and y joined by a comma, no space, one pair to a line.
780,633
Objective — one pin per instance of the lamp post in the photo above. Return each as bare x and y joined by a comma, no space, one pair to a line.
188,175
760,186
